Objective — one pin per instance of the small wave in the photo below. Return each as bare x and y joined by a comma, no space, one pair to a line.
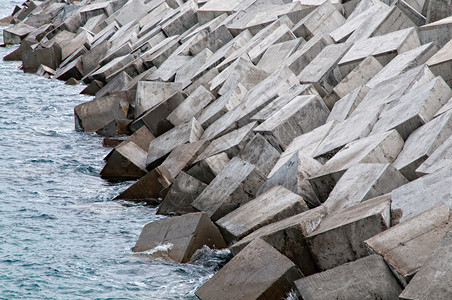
163,248
42,216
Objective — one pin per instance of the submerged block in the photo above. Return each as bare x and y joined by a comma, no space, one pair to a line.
183,235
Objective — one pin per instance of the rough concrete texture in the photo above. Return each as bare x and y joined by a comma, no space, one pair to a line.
185,234
258,272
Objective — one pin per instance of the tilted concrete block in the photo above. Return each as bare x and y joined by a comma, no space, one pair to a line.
14,35
258,272
197,231
151,93
73,69
181,194
437,10
33,58
183,20
438,32
119,83
441,63
343,108
421,143
435,272
132,10
167,71
406,246
368,277
288,237
276,204
142,137
125,162
363,182
207,169
185,73
215,8
340,237
234,186
441,157
96,9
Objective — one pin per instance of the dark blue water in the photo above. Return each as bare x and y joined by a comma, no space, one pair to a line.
61,236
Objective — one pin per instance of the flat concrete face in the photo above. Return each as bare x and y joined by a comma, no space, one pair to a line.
422,194
142,137
33,58
301,115
440,158
414,109
258,272
16,33
276,54
187,132
340,237
422,143
234,186
438,32
183,234
127,161
406,247
207,169
181,195
150,93
344,107
435,271
363,182
276,204
366,278
440,63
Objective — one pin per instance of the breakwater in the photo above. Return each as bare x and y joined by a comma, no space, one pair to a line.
311,139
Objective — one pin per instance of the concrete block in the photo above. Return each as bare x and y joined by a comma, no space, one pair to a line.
16,55
362,182
438,32
421,144
258,272
95,9
187,132
234,186
132,10
117,127
94,115
90,60
93,88
105,72
151,93
301,115
340,237
148,188
406,246
73,69
215,8
379,148
207,169
366,278
288,237
162,52
360,75
45,71
212,40
344,107
441,63
183,20
203,80
441,157
276,204
446,107
185,73
414,109
191,106
384,48
142,137
118,83
231,143
14,34
125,162
320,71
437,10
186,234
435,272
33,58
181,194
324,19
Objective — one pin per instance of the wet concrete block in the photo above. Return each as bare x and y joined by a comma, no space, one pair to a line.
340,237
362,182
421,143
45,71
258,272
187,132
441,157
234,186
407,246
14,34
117,127
207,169
93,88
344,107
186,234
441,63
125,162
151,93
288,237
94,115
276,204
366,278
379,148
301,115
181,194
435,272
192,106
320,71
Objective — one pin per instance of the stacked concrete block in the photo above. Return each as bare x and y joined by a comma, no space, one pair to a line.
440,63
16,33
127,161
208,168
438,32
441,157
343,108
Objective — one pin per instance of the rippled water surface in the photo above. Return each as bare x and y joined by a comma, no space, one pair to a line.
60,235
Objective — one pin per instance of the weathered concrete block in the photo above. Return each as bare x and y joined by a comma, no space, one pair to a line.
127,161
207,169
185,18
187,132
93,88
96,9
90,60
142,137
380,148
118,83
181,195
203,80
14,35
238,280
437,10
320,71
440,63
366,278
151,93
421,143
73,69
406,246
340,237
45,71
435,272
441,157
132,10
215,8
32,59
288,237
212,40
105,72
94,115
363,182
344,107
438,32
276,204
260,153
186,234
234,186
301,115
185,73
117,127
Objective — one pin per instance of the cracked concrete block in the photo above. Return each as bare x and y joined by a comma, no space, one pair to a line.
406,246
340,237
183,234
259,271
235,185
